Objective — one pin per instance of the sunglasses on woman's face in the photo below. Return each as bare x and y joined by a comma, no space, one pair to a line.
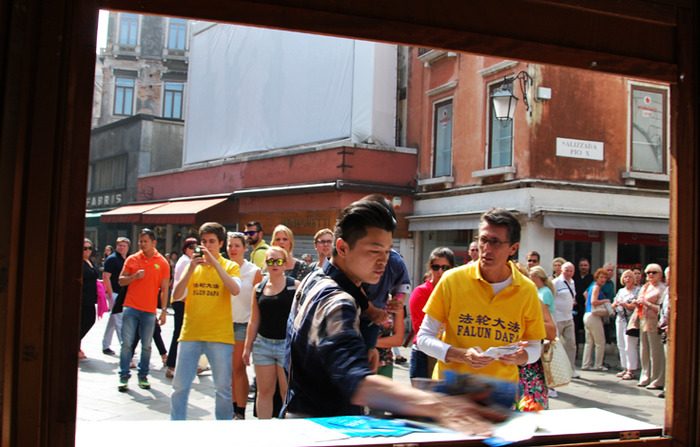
436,267
271,262
87,248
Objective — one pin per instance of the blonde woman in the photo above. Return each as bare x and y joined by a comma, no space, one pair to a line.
545,288
241,308
283,237
531,376
627,345
270,305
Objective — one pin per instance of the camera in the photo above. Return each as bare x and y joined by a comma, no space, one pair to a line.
198,252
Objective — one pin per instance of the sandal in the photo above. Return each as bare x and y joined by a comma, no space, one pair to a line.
628,376
621,373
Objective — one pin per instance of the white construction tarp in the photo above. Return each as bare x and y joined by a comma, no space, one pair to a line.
253,89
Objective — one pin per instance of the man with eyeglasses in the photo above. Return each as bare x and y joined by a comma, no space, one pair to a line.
473,251
485,304
323,243
110,278
254,237
329,374
533,259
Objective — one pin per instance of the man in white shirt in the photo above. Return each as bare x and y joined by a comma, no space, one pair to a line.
564,302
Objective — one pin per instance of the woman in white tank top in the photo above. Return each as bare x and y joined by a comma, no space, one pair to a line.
240,307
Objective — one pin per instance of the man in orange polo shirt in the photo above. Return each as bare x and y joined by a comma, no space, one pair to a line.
147,273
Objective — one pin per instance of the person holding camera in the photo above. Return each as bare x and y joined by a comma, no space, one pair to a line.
206,286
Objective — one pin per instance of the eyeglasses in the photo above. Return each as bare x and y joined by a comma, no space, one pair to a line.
652,272
436,267
271,262
494,242
324,242
87,248
250,233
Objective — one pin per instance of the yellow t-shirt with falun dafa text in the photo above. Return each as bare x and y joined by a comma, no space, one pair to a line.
472,316
208,305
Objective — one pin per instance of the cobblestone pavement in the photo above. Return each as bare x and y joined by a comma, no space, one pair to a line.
99,400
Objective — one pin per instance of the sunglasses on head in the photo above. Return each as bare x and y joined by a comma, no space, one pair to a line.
436,267
271,262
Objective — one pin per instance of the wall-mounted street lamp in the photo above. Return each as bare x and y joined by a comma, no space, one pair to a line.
504,99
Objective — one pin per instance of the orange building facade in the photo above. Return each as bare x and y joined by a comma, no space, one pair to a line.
585,168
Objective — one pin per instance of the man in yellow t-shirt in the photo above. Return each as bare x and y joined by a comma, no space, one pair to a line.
206,286
482,305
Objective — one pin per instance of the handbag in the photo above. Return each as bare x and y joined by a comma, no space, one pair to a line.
555,363
633,325
102,305
603,310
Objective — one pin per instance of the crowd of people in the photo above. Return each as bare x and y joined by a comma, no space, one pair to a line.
320,335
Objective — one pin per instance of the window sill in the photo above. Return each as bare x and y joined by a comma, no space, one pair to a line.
507,171
174,54
631,177
445,181
434,55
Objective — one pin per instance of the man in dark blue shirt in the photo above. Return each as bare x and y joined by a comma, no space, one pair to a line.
329,374
110,278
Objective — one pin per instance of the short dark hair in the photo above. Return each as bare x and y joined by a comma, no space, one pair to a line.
256,224
503,218
442,252
214,228
148,232
535,254
190,242
370,211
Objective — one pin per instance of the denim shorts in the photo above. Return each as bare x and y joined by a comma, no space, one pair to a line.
267,351
239,330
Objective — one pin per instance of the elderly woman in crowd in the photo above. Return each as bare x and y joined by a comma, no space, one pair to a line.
627,345
651,347
283,237
556,266
241,309
593,324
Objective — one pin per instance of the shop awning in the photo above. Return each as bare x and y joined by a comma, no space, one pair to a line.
443,222
182,212
624,224
128,213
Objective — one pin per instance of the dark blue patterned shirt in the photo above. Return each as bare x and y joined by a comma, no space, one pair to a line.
326,356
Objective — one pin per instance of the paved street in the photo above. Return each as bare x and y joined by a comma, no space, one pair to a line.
99,400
